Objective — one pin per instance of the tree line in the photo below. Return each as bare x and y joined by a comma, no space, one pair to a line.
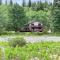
14,16
56,16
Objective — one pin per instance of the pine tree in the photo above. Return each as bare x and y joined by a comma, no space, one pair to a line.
46,4
56,17
40,5
23,4
17,17
11,2
0,2
6,2
3,18
34,7
56,2
29,3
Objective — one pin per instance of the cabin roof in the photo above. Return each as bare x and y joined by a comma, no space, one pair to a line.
35,22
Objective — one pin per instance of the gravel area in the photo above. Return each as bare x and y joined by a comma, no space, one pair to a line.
33,39
42,38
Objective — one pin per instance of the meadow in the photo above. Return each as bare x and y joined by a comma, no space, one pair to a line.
14,17
35,51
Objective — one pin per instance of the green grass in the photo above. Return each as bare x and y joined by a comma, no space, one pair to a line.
29,34
42,50
22,33
4,44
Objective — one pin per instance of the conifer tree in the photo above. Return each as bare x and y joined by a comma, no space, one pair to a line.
34,6
11,2
23,4
29,3
56,16
0,2
17,17
6,2
46,4
40,5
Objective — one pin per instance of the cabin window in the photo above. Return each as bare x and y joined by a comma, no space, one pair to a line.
39,24
32,24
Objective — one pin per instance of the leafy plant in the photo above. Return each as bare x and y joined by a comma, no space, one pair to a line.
18,41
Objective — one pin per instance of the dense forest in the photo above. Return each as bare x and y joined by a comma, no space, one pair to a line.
14,16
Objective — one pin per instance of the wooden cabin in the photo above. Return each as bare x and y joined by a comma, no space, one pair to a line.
33,27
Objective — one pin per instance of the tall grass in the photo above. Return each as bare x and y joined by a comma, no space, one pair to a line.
41,51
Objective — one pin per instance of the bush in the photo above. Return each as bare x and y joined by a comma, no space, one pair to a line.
18,41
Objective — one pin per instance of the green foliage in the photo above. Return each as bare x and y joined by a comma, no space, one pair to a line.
34,7
0,54
17,17
4,44
13,16
6,2
56,18
24,3
56,21
0,2
55,2
46,4
3,18
11,2
29,3
18,41
43,50
40,6
41,16
35,33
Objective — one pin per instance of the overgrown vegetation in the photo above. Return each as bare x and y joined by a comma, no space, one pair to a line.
56,16
42,50
18,41
13,16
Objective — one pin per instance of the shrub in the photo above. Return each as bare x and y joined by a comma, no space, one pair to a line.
18,41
